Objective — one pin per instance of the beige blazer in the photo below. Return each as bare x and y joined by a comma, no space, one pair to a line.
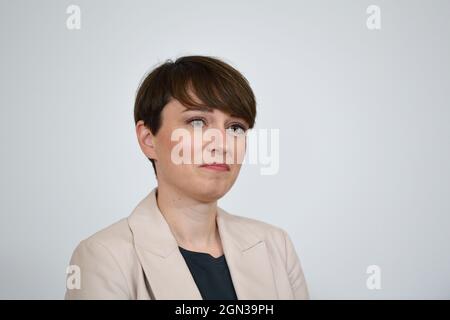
138,258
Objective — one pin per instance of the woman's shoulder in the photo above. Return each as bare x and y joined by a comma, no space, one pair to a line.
119,235
115,238
106,261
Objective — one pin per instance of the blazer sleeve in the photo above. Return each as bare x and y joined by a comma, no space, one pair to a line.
100,274
295,271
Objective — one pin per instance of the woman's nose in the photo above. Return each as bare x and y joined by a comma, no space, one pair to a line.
216,140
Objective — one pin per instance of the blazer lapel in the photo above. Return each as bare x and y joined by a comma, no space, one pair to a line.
247,258
166,271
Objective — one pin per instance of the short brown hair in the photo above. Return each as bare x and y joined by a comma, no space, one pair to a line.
217,84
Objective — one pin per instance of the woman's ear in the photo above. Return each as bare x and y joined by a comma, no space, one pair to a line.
146,140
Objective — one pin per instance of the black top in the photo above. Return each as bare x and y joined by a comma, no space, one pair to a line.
211,275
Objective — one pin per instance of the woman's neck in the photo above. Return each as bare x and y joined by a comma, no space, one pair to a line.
192,223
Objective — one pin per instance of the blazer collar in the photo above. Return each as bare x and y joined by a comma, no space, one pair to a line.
166,270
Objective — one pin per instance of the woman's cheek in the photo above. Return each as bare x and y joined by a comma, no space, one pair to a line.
181,152
239,150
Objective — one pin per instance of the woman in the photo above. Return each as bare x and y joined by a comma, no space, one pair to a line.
177,243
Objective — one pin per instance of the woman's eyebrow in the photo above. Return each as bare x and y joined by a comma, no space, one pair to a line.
210,110
202,109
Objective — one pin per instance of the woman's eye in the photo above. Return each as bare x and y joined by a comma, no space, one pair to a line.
236,129
197,123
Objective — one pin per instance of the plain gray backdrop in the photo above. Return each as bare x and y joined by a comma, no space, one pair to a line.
363,116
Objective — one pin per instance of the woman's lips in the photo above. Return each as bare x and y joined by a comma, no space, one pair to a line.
216,166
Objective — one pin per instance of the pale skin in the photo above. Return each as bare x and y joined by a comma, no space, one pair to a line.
188,193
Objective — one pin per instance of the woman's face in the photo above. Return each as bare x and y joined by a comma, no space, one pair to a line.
188,139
